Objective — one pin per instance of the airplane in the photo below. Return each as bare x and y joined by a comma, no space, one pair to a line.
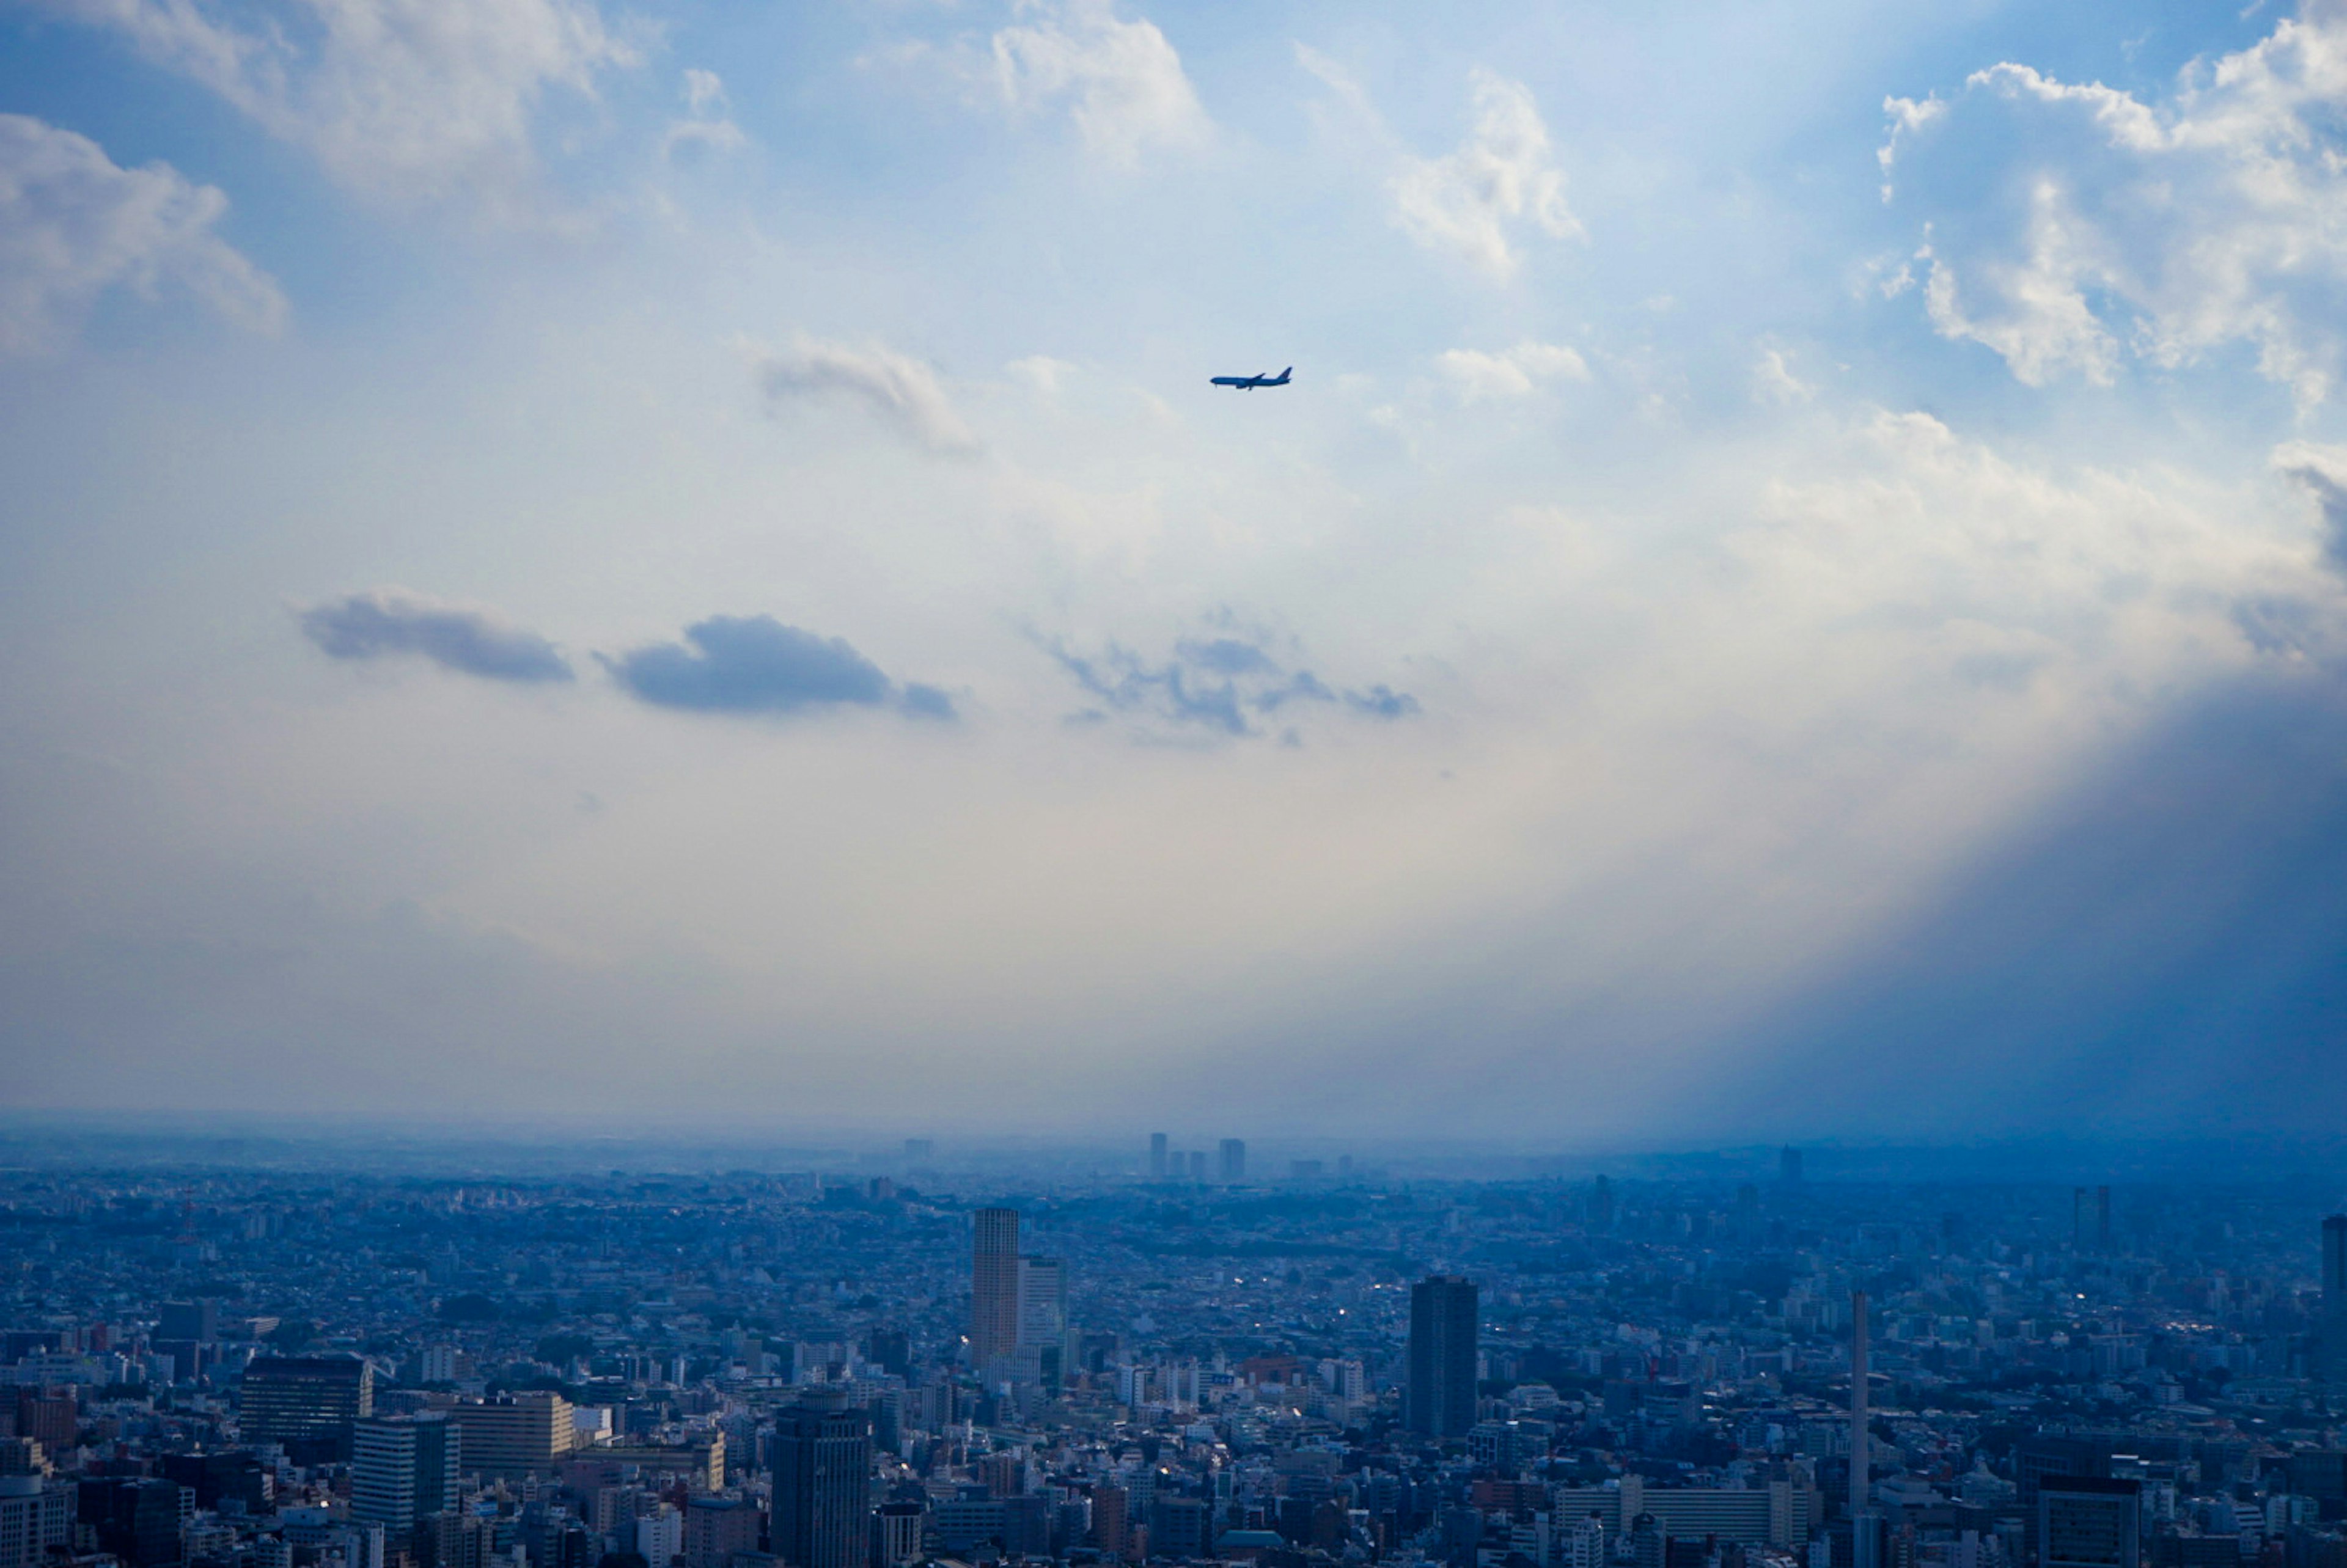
1249,383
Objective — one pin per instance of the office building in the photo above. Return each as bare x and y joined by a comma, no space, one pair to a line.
231,1477
308,1403
715,1528
897,1534
50,1417
36,1514
513,1435
823,1465
1111,1522
1775,1515
660,1535
192,1320
2088,1521
139,1522
1789,1166
1157,1155
1439,1399
993,1287
1042,1302
1232,1164
403,1468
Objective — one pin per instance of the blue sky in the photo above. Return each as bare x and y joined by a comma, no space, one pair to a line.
680,561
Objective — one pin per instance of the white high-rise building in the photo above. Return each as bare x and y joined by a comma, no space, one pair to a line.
659,1536
1585,1546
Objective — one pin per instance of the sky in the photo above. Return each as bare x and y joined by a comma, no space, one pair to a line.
675,565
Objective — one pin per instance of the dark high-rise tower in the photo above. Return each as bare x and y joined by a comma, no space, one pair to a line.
1788,1165
993,1286
2333,1340
2090,1219
1157,1155
1440,1401
822,1468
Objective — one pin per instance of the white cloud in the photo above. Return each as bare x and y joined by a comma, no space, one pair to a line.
1773,380
72,224
1040,370
903,392
1467,201
709,123
2107,227
1518,372
404,100
1122,82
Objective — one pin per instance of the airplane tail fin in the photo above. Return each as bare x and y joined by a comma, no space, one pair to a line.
1284,373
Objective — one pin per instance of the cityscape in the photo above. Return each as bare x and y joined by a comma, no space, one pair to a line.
1107,784
1175,1357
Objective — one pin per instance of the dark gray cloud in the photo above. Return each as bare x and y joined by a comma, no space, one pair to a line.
1224,684
757,664
385,622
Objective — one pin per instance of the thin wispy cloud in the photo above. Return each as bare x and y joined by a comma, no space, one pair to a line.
74,224
902,392
1230,683
1120,82
403,100
1517,372
708,124
1476,201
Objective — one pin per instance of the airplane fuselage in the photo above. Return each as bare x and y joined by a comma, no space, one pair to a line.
1249,383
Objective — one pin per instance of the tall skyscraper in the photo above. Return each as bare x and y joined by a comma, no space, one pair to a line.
1157,1155
1788,1165
1861,1463
993,1286
1234,1160
2090,1219
1440,1400
403,1468
823,1467
2333,1340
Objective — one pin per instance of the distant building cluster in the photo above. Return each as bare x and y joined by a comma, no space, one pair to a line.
1180,1362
